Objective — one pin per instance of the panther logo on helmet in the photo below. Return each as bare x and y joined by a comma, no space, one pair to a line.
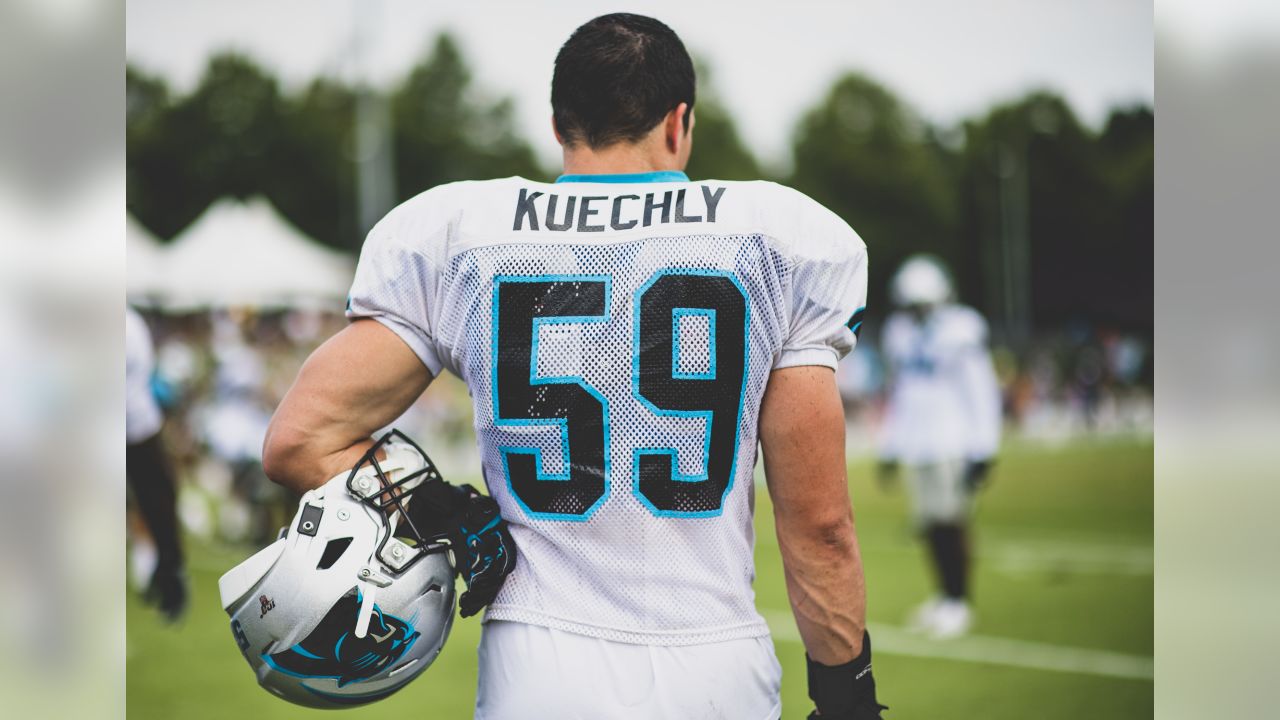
333,650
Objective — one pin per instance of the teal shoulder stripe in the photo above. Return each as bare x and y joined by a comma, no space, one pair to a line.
855,321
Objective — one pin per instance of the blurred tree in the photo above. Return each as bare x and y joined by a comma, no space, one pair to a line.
443,133
146,101
146,112
216,141
873,161
1057,215
315,185
1128,163
718,150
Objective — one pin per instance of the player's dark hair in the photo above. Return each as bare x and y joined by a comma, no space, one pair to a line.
615,79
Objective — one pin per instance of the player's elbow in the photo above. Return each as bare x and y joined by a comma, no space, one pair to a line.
836,534
284,455
829,533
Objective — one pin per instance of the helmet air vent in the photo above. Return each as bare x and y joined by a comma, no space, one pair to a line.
332,552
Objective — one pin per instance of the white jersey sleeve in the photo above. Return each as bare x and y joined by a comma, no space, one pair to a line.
397,277
142,416
828,293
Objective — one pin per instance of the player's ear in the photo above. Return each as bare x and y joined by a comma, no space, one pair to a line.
555,130
676,127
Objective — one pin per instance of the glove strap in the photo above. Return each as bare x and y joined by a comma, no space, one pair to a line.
837,690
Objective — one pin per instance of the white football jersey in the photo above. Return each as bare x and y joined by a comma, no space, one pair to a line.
944,401
616,334
142,416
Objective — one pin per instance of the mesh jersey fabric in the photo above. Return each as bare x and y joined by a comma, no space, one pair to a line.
616,340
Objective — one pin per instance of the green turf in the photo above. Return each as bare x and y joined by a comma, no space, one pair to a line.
1064,542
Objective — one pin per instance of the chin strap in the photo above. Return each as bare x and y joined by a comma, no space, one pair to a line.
367,592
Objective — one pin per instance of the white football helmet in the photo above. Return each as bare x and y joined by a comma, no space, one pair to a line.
921,280
354,600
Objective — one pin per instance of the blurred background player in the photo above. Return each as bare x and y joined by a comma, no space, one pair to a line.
149,472
942,425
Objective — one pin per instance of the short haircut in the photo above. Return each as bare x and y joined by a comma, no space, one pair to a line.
615,79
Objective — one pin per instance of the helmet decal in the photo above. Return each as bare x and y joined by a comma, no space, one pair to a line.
332,650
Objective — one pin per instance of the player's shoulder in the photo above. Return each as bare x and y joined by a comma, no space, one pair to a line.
132,320
135,328
137,338
801,225
898,326
963,323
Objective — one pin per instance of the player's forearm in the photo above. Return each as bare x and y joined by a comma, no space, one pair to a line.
802,434
302,459
825,585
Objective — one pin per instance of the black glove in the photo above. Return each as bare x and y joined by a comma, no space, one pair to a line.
844,692
486,555
887,474
975,474
483,550
168,592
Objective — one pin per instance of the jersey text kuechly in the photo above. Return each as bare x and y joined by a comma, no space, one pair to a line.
626,212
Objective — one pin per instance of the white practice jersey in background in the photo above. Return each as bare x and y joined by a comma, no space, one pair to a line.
944,401
616,338
142,416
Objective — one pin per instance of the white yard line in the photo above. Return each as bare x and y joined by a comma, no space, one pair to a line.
992,651
1040,556
1032,558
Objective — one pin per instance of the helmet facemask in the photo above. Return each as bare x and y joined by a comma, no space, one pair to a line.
404,543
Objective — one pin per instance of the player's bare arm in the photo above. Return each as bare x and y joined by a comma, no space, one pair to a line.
802,433
356,383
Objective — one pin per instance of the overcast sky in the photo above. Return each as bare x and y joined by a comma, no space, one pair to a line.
769,60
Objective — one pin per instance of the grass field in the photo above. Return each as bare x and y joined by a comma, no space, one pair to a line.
1063,589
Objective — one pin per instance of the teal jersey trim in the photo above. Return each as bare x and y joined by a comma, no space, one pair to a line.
649,177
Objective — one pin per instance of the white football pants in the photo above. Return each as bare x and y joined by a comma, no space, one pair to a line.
528,672
938,492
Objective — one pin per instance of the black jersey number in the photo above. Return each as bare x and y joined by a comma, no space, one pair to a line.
522,304
714,395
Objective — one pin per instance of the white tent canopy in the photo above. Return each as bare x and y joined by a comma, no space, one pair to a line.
144,258
245,253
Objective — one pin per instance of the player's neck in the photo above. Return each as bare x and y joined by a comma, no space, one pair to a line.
618,159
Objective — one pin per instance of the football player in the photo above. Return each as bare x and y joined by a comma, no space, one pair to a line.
629,337
942,424
149,472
